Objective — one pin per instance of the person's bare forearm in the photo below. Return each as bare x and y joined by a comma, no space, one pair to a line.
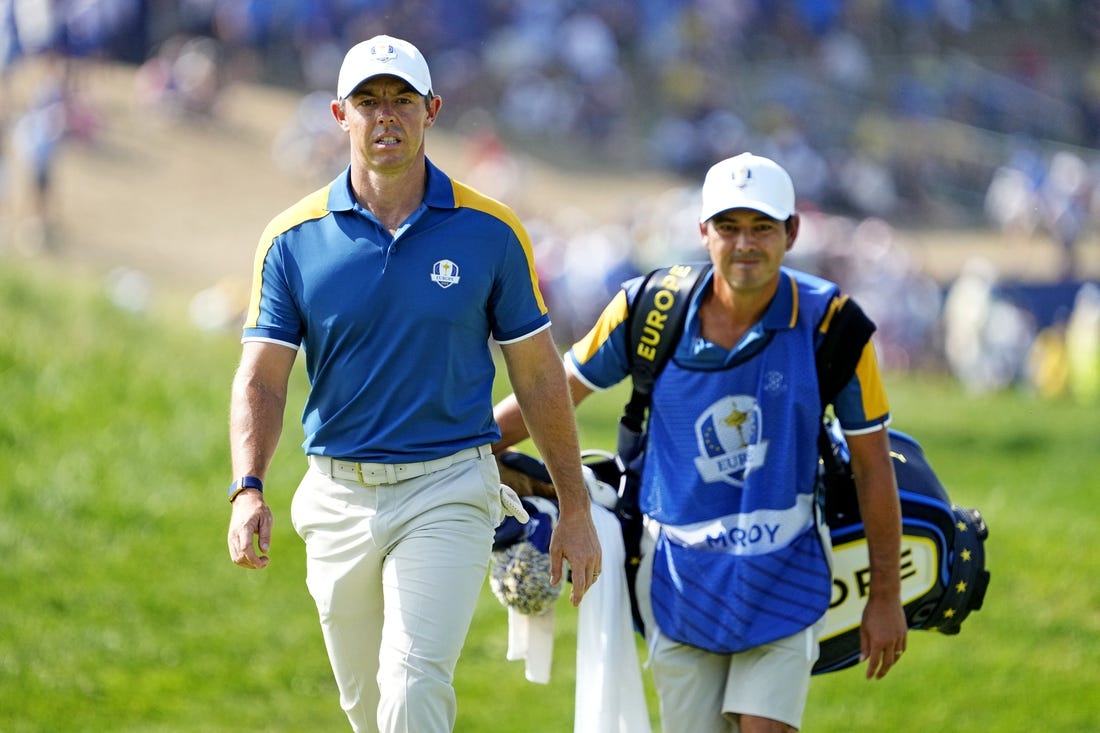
256,407
509,419
552,428
543,404
541,408
883,627
880,510
255,425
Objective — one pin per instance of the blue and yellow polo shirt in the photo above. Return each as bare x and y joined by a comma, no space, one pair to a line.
396,329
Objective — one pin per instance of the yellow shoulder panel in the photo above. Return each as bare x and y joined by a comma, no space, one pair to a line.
311,207
470,198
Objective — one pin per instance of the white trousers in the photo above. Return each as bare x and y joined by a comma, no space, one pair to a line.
396,571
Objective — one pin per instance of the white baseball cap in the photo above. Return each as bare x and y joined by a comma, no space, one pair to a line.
383,55
747,181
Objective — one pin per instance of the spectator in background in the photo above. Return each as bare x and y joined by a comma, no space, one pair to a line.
1083,345
1048,361
986,337
182,79
37,136
310,147
9,45
1065,195
4,184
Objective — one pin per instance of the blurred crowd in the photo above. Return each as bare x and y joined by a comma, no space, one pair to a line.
931,113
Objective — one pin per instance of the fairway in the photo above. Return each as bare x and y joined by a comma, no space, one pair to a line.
122,611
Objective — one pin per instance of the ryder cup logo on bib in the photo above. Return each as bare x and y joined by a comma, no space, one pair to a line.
728,434
445,273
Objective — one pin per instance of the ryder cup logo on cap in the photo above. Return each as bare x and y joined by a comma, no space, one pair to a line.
747,181
383,55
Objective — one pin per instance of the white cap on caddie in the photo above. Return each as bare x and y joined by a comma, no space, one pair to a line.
383,55
747,181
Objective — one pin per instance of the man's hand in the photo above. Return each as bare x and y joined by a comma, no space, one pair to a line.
575,541
251,518
883,635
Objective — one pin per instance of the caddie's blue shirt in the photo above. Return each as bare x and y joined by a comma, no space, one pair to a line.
396,329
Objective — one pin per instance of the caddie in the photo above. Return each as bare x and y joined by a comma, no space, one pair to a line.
735,580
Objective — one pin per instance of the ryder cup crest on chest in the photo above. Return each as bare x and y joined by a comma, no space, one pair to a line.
445,273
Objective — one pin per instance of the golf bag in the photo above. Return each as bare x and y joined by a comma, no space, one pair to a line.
943,573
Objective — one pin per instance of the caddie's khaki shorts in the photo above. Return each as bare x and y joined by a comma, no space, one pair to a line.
704,692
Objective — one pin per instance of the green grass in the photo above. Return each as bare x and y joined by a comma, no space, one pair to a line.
122,612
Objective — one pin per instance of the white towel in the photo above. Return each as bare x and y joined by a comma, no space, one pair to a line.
609,696
531,638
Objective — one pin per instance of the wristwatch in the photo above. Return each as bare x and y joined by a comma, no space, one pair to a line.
245,482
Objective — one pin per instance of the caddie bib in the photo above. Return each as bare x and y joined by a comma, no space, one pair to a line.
730,474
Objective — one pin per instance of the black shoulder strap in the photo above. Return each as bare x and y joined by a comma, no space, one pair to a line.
655,321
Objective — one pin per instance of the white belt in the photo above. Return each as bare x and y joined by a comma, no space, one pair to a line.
376,474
